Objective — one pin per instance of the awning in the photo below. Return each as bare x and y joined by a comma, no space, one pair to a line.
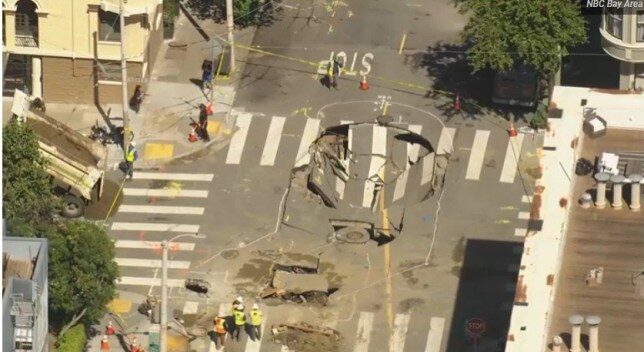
129,10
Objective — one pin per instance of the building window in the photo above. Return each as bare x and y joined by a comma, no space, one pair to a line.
109,71
614,19
26,24
109,26
640,26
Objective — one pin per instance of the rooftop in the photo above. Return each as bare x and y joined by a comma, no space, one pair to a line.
607,238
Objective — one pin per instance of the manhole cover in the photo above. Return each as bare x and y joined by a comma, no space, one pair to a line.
352,235
355,236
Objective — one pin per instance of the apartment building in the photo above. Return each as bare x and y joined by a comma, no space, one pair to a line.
25,294
622,33
69,51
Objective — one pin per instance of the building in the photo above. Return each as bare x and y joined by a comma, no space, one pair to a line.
69,51
24,294
622,32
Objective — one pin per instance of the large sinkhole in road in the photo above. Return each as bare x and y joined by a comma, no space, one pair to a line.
356,172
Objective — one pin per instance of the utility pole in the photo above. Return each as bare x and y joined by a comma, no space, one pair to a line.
231,39
126,119
164,298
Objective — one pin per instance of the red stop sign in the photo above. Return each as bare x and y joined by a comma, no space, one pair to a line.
475,327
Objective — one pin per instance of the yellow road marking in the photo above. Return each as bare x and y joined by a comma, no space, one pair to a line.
158,151
213,127
402,43
120,306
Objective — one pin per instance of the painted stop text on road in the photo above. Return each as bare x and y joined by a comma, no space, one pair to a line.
365,62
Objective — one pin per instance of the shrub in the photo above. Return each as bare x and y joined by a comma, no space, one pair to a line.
74,339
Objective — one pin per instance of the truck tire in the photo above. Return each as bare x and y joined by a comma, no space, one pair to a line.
73,206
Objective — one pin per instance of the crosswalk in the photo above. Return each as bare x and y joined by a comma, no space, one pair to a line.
364,333
284,142
158,206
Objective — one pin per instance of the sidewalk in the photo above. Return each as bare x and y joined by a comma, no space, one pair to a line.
173,94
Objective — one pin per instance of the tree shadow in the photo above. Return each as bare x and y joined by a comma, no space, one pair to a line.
451,74
248,13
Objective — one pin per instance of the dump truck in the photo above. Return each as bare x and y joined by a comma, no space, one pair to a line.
75,163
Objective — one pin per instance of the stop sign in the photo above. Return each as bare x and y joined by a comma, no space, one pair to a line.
475,327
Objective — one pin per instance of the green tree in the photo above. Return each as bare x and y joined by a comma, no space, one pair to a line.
245,12
28,202
535,33
170,10
82,273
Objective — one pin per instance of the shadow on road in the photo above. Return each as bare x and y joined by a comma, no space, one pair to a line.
447,67
486,291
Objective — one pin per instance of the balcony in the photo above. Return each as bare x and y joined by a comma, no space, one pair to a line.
27,36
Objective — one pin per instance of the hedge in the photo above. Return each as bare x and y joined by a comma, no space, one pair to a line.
74,339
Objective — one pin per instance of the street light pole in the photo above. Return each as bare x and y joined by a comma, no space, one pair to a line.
164,289
231,39
164,297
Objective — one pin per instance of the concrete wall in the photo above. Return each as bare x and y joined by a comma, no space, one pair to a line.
76,81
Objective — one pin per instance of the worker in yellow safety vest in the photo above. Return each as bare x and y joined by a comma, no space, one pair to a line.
240,321
220,330
130,157
255,323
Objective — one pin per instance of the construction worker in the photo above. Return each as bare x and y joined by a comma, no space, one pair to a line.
336,67
255,322
220,330
130,157
240,321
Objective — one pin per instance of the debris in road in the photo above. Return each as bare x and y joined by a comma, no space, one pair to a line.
297,280
197,285
357,173
303,337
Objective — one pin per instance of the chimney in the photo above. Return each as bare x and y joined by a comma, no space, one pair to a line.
618,181
593,321
602,178
575,341
635,191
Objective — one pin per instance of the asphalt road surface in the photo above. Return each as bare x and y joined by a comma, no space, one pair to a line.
469,234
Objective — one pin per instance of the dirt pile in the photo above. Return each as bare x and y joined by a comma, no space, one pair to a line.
307,338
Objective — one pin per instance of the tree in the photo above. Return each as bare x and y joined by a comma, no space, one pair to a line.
170,10
82,273
28,202
535,33
245,12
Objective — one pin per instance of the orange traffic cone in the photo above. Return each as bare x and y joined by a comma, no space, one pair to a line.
105,345
109,330
512,131
192,136
210,108
457,103
363,83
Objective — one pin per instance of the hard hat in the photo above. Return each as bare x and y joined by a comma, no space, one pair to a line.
133,143
255,306
239,299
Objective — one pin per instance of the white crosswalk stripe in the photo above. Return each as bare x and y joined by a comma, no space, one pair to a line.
238,140
520,232
526,199
145,226
509,170
170,193
363,335
148,281
524,215
435,335
477,155
310,133
160,209
446,141
173,246
401,185
401,325
413,149
378,148
272,141
151,263
172,176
